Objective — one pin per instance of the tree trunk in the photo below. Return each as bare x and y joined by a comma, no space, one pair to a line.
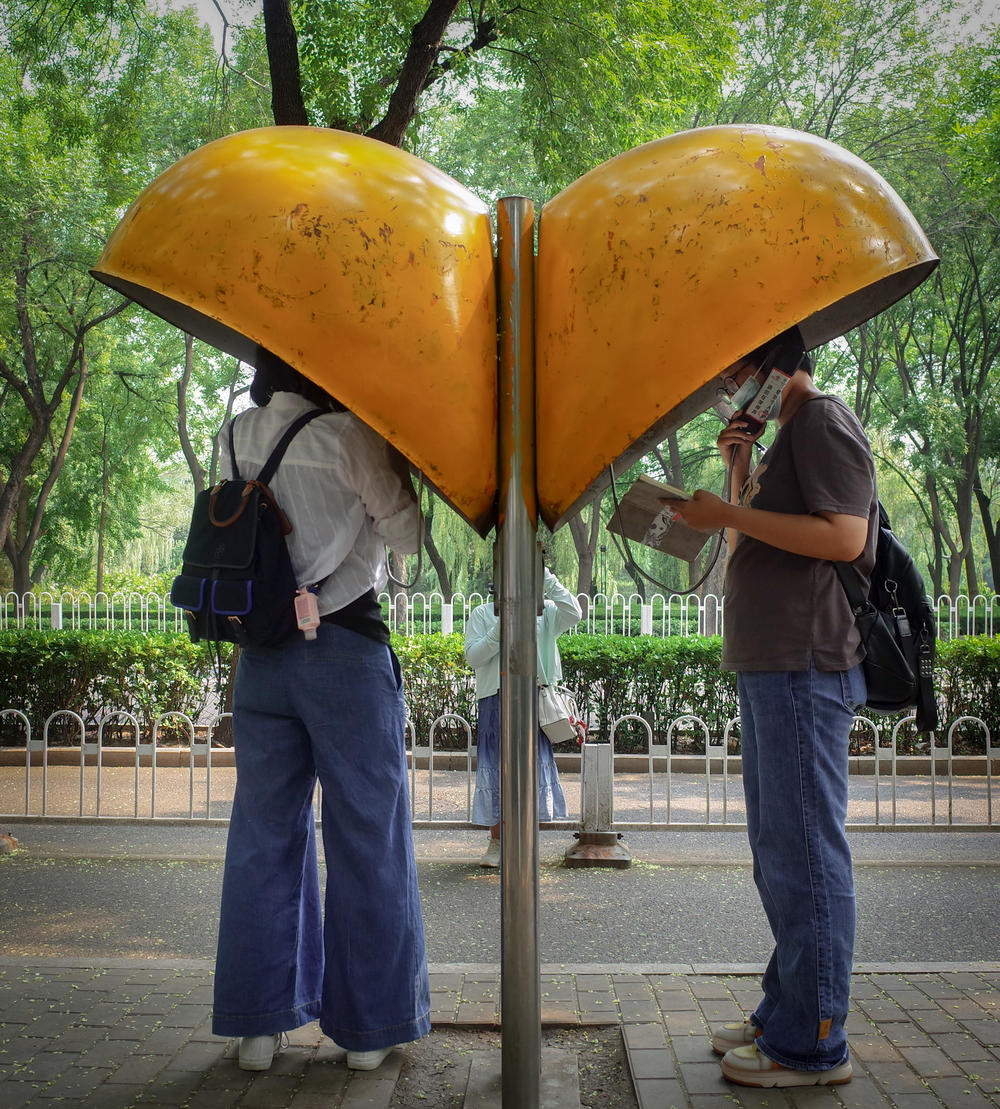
196,468
425,44
287,105
673,473
397,593
224,732
102,520
41,410
637,578
585,536
936,568
439,564
991,531
13,548
19,548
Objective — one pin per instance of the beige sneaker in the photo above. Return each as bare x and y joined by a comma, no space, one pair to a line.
737,1034
492,856
746,1066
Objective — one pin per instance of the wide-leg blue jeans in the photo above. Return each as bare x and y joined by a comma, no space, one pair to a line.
794,732
330,708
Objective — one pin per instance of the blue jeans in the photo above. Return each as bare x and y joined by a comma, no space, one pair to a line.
330,708
486,800
794,732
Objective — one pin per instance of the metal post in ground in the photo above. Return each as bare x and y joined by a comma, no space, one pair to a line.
517,588
596,843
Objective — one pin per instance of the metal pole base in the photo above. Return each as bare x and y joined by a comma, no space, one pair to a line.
599,849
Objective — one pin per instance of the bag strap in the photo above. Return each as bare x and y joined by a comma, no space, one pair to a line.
927,712
850,579
271,465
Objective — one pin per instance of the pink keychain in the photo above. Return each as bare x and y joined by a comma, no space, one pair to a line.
306,612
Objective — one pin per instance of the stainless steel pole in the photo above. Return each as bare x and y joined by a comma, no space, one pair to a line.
517,590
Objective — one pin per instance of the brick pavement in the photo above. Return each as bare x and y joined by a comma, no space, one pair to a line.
112,1034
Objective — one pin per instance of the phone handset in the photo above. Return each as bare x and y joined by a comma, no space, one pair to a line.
759,409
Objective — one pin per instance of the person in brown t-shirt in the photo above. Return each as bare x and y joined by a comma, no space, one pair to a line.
790,636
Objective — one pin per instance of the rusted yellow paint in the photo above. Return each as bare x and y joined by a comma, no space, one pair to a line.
661,267
366,268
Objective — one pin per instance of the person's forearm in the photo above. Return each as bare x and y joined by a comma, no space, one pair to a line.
568,606
737,479
482,645
834,537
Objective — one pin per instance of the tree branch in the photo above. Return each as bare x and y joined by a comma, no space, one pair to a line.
425,45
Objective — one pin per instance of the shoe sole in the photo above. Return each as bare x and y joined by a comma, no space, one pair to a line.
788,1079
353,1064
256,1066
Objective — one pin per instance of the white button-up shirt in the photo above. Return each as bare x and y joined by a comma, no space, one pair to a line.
337,487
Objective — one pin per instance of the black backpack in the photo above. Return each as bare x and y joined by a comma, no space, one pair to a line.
898,630
236,583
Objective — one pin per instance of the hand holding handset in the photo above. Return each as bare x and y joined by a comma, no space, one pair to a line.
755,413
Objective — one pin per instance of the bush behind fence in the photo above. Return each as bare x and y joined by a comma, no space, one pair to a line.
99,673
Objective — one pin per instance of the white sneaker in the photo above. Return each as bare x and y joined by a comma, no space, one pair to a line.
256,1052
492,856
733,1035
368,1060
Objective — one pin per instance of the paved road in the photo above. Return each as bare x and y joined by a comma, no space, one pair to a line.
153,891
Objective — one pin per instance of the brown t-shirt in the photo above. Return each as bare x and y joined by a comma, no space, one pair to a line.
783,610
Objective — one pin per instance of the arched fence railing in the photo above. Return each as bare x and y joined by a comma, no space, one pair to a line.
682,777
429,613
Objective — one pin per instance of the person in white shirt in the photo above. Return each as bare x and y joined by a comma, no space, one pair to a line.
560,612
327,709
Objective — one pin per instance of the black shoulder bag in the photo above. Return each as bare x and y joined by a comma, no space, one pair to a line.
236,583
896,622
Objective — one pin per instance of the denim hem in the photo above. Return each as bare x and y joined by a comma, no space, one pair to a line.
796,1064
264,1024
355,1040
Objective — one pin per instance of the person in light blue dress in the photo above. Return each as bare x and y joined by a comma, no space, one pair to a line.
561,611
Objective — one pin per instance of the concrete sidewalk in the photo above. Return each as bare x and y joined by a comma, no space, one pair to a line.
113,1034
117,1032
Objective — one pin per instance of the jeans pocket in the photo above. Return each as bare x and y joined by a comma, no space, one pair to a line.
855,691
397,670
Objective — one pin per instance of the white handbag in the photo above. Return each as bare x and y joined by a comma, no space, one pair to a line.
557,713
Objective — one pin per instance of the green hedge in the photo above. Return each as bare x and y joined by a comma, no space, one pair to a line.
437,681
967,680
91,672
657,679
611,676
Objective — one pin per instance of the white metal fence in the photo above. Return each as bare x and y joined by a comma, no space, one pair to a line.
426,613
663,787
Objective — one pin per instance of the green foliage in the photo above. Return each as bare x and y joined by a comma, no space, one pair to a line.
657,679
550,90
95,99
437,681
96,673
660,680
968,120
967,679
349,54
